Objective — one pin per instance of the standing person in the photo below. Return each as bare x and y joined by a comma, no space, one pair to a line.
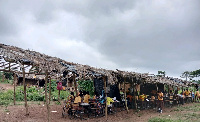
160,101
197,95
192,95
142,98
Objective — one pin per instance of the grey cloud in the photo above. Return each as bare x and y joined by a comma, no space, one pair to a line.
91,8
148,35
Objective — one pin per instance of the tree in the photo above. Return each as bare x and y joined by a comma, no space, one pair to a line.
195,73
86,85
8,75
186,75
161,73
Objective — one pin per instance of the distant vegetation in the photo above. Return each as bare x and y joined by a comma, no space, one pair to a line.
33,94
180,114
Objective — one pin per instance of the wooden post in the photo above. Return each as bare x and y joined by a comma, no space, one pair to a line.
125,96
25,97
182,90
157,87
46,98
50,90
168,89
58,95
106,109
75,85
134,90
84,74
3,77
194,94
14,82
9,67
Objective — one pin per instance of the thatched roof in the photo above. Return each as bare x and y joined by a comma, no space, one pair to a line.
14,59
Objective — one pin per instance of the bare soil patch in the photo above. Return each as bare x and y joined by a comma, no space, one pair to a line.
38,113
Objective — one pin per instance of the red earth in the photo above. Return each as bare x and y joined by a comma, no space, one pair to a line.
38,113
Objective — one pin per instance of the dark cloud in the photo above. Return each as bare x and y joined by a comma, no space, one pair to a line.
154,37
143,35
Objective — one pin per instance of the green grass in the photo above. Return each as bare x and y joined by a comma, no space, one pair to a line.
33,94
195,107
182,114
156,119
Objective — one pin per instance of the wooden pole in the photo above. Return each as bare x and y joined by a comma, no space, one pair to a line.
106,109
58,95
9,66
157,87
25,97
194,94
14,82
134,90
46,98
168,89
50,90
182,90
75,85
125,96
3,77
84,74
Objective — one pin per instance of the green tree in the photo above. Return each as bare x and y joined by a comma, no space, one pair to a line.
195,73
186,75
161,73
8,75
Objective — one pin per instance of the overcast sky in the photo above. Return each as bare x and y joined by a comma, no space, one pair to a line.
134,35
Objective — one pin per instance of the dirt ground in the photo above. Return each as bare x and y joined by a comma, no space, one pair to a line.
6,86
38,113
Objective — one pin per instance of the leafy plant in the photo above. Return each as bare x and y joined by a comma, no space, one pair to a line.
86,85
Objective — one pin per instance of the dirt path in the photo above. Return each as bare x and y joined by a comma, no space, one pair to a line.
6,86
38,113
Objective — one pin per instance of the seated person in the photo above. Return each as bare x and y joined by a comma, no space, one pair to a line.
70,98
187,93
69,101
96,95
78,99
129,97
153,98
86,97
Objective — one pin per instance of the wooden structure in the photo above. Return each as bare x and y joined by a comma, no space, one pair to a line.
24,63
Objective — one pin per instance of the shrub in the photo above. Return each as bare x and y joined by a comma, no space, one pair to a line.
86,85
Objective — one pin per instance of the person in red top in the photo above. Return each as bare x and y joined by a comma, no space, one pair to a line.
160,101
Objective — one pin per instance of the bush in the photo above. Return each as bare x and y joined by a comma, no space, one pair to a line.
33,94
86,85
